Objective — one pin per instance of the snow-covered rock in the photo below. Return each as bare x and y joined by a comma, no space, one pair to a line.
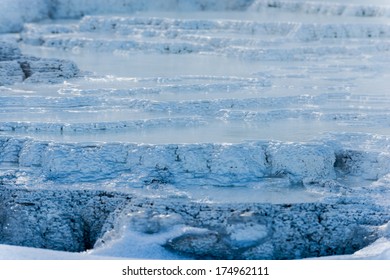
10,73
244,231
59,220
74,220
216,164
193,164
42,218
309,162
9,51
14,67
369,165
39,70
314,32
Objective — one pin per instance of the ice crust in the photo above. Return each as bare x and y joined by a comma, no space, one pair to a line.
194,164
177,36
15,68
120,223
62,220
191,229
16,13
324,7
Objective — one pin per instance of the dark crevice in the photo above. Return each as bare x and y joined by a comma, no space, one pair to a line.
25,66
59,220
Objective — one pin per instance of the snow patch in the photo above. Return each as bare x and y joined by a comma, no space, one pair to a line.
302,162
246,234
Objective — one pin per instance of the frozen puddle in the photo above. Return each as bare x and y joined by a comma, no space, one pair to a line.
258,130
274,191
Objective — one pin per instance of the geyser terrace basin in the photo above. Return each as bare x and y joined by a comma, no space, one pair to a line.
257,200
179,130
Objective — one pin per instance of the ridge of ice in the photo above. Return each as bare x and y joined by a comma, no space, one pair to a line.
15,13
179,164
15,67
221,164
175,37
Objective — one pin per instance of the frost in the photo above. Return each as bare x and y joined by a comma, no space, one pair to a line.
14,67
10,73
298,161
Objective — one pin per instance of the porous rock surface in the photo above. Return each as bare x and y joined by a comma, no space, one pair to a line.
15,67
74,220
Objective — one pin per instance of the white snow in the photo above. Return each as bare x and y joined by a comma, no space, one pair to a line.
8,252
245,234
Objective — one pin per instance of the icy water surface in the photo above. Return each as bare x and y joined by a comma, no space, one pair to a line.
297,92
